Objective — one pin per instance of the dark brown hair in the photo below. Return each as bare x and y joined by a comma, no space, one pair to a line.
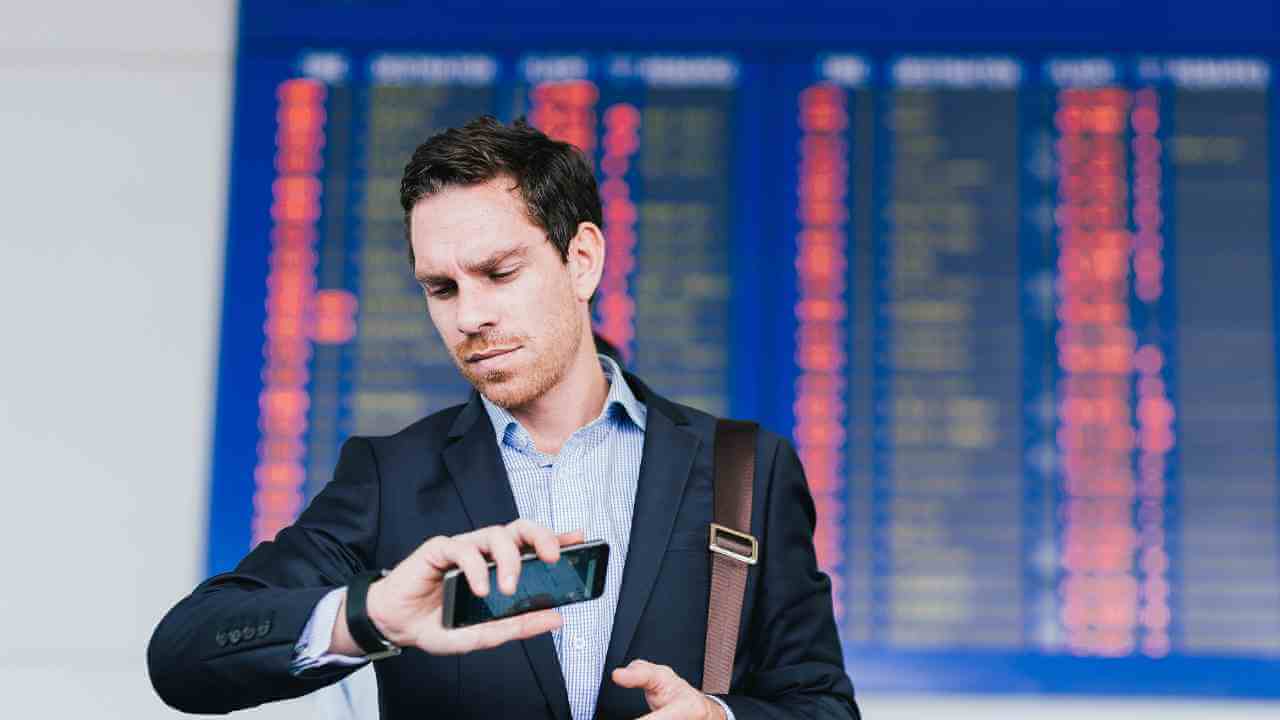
553,178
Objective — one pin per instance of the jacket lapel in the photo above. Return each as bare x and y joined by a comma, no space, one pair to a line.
475,465
665,465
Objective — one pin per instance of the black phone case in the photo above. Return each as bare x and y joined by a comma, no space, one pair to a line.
455,576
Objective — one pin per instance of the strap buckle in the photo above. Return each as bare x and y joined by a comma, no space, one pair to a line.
736,536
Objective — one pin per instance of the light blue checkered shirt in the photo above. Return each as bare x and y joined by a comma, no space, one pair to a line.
590,484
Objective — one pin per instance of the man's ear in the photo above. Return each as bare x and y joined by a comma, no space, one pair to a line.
586,260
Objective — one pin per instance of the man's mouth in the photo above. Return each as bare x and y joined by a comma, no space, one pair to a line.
490,354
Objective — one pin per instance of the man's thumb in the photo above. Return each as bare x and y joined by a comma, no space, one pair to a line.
633,675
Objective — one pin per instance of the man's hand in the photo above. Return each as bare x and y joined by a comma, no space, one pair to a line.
668,695
407,605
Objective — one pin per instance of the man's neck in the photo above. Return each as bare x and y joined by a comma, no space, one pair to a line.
574,402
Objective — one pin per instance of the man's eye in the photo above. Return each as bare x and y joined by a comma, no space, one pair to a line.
502,275
439,292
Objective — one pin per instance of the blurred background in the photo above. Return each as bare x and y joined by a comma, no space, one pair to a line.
1004,273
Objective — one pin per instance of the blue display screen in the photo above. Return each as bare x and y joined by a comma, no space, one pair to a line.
541,585
1013,299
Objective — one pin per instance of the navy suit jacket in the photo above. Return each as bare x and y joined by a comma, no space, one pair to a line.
229,644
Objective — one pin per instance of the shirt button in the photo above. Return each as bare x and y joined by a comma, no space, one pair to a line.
578,643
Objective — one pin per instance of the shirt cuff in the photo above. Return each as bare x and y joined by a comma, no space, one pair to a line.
727,712
312,649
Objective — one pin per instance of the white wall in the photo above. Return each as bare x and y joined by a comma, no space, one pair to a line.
113,134
114,124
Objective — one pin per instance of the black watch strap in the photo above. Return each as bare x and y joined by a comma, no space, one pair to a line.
363,631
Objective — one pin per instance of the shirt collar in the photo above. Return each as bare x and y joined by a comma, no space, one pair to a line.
620,394
627,405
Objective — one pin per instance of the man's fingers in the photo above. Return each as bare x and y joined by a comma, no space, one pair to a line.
572,538
470,552
502,546
467,557
638,674
667,694
544,542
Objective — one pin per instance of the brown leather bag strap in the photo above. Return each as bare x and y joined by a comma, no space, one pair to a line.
733,548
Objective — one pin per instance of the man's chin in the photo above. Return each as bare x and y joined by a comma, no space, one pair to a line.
510,386
501,388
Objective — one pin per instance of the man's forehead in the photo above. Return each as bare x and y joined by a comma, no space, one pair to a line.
467,208
468,225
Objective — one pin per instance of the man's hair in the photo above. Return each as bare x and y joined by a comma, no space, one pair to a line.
553,178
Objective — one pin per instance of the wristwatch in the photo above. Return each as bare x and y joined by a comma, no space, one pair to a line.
363,631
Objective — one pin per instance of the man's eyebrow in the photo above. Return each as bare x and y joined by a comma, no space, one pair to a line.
483,266
491,263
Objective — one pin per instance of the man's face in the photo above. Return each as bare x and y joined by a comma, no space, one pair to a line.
498,292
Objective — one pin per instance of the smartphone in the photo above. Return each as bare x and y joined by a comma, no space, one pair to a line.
577,577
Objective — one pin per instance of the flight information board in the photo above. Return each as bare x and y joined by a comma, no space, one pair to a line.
1036,341
1017,313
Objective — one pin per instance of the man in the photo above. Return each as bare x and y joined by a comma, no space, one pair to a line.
557,444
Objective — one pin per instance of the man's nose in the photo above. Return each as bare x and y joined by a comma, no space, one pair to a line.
476,311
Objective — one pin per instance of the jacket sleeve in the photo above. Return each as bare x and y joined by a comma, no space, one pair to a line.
229,644
790,663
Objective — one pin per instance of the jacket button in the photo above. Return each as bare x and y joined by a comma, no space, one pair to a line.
264,628
221,638
248,631
234,636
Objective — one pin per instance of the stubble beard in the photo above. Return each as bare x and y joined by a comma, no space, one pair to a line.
515,388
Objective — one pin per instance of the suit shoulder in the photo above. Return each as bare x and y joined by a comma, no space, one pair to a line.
703,424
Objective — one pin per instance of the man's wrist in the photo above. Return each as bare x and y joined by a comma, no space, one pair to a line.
373,607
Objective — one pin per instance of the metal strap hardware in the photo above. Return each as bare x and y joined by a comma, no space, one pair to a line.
742,541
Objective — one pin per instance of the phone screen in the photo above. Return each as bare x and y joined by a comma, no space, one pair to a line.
578,576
